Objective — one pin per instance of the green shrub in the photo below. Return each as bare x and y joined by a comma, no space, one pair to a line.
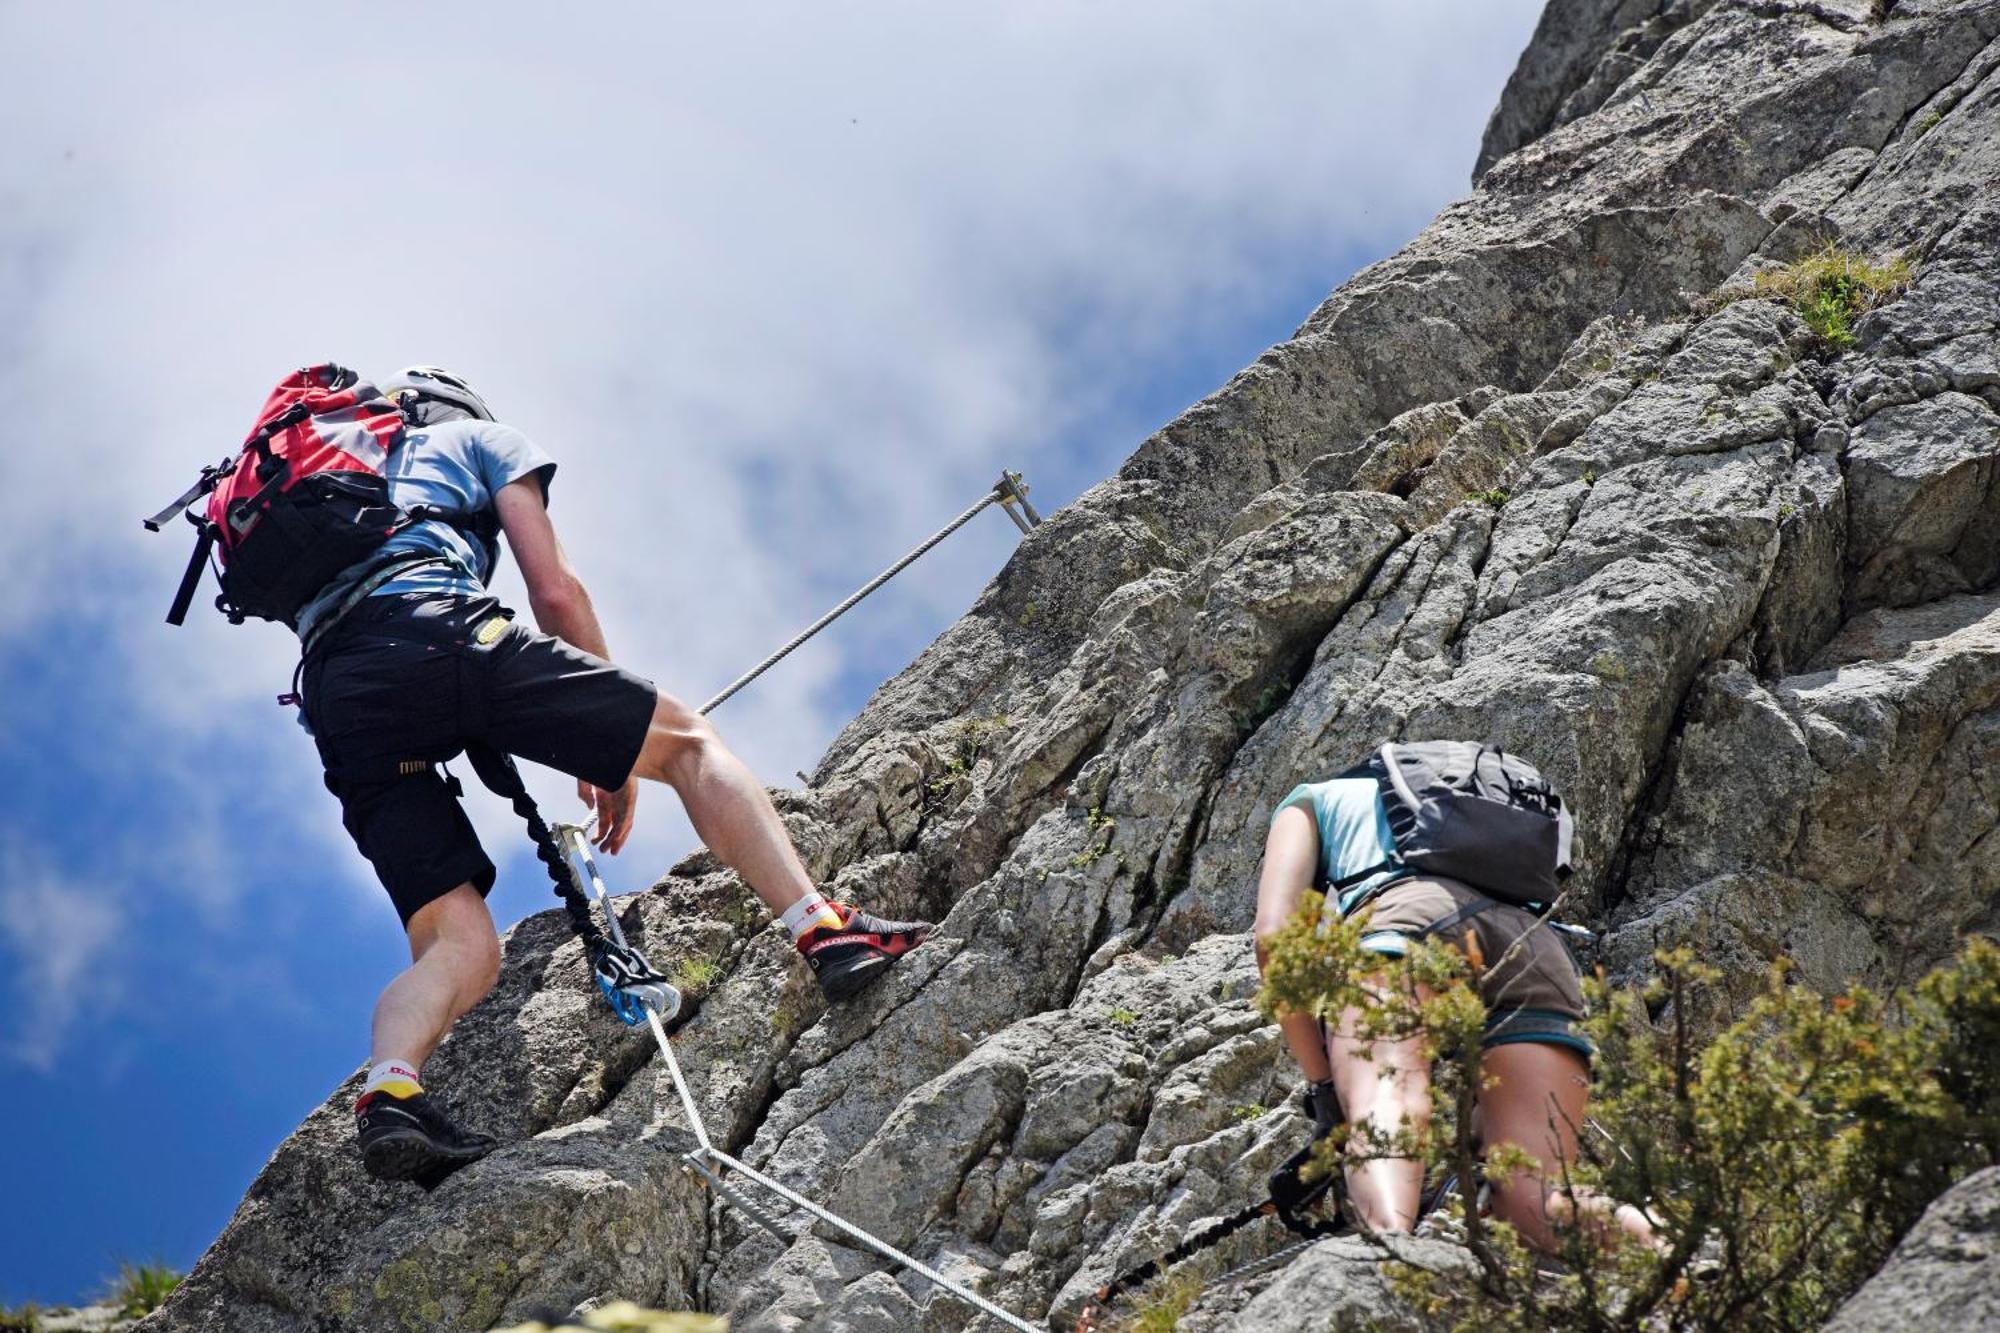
696,975
1163,1304
966,741
1793,1148
21,1318
140,1289
1832,288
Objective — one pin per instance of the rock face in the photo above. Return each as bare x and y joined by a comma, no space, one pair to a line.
1945,1276
1735,593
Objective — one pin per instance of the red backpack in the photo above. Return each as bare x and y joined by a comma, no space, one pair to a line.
304,499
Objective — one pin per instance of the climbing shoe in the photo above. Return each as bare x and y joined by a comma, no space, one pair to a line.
410,1138
847,957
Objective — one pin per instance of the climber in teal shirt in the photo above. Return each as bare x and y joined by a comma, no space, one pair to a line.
1536,1061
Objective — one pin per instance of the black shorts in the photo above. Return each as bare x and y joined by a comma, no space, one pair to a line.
403,683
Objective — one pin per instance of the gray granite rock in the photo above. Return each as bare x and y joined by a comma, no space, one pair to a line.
1945,1276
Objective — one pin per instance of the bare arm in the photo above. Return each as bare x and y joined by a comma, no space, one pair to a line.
561,606
1291,857
560,602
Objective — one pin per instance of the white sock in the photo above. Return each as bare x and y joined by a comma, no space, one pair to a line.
398,1078
809,911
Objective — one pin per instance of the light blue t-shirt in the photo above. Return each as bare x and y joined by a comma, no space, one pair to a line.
456,467
1353,833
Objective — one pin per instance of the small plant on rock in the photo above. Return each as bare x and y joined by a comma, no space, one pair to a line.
625,1317
140,1289
1832,288
1268,701
21,1318
1165,1302
697,974
1493,499
968,741
1102,828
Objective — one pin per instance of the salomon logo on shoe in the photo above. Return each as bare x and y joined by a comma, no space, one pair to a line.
846,958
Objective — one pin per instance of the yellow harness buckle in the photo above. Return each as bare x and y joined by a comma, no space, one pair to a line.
490,631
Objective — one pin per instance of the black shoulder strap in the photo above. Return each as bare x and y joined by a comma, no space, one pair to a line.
191,577
1349,881
1457,918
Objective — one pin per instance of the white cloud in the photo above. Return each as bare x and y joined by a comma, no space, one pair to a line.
61,934
782,288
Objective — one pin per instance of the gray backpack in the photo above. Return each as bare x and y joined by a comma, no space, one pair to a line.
1469,812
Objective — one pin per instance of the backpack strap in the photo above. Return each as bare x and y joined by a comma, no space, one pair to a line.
210,478
1464,914
197,562
1349,881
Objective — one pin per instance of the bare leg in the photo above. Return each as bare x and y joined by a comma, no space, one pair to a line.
455,961
1384,1088
730,810
1534,1098
1291,856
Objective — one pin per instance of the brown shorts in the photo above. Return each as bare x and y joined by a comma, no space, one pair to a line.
1533,993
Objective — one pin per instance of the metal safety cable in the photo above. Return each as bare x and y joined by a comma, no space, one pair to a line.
1007,492
1011,494
706,1152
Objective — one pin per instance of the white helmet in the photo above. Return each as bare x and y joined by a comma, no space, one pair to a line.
430,394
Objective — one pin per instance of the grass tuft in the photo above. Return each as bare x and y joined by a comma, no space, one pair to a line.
140,1289
21,1318
696,975
1166,1301
1832,288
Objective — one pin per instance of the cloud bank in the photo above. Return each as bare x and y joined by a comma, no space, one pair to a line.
781,288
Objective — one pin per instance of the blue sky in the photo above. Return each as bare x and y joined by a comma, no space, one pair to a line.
780,293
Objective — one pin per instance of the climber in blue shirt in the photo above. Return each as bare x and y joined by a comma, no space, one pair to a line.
408,660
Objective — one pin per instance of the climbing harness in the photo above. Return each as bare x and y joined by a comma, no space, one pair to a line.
1010,493
653,1004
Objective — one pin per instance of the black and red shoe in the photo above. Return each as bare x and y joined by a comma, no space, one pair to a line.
411,1138
846,958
